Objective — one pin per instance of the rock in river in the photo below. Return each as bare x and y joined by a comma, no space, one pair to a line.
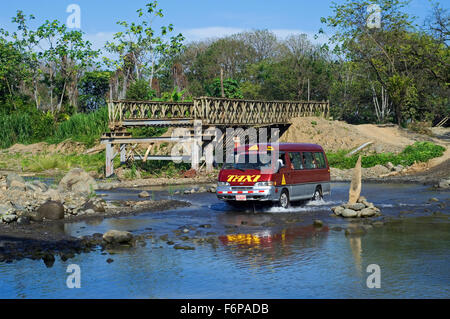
9,218
77,181
51,210
349,213
118,237
144,194
368,212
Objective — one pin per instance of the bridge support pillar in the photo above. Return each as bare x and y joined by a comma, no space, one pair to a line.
109,160
123,153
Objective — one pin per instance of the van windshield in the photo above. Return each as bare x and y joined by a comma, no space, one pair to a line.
247,161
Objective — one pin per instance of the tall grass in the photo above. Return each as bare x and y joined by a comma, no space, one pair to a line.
28,127
82,127
24,127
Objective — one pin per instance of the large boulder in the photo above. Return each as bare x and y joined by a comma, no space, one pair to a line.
77,181
118,237
13,177
51,210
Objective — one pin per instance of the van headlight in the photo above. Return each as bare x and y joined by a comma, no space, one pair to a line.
259,184
223,184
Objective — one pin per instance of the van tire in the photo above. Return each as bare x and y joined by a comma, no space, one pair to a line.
318,193
284,199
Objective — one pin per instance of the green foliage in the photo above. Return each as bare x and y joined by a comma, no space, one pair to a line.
93,89
140,90
25,127
231,89
162,168
418,152
43,162
82,127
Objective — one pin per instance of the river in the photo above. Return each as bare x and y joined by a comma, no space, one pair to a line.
270,253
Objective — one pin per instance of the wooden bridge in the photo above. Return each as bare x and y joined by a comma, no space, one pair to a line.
210,112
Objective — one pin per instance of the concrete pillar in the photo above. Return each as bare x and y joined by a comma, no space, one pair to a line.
109,160
123,153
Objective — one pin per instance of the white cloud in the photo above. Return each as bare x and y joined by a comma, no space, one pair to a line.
197,34
99,39
209,33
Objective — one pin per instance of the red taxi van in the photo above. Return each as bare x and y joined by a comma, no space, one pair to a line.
300,172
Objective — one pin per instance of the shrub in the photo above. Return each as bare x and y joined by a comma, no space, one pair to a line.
418,152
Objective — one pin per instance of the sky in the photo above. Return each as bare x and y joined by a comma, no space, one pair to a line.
195,19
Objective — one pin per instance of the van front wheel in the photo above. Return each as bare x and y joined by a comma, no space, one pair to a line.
284,199
318,194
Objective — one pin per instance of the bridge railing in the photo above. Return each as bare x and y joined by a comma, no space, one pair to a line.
254,112
217,111
125,110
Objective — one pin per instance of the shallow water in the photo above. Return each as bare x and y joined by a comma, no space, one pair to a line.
284,260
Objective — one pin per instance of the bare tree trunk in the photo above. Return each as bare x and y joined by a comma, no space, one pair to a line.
221,83
62,96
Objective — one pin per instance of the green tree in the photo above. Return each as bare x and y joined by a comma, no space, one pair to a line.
142,52
93,89
231,89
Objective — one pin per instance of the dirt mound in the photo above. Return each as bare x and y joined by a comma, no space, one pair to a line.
338,135
65,147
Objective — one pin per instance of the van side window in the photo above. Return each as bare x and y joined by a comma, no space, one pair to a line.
308,160
296,160
282,156
320,160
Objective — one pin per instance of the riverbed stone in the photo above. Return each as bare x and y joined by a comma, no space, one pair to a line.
212,189
39,184
52,210
14,177
77,181
9,218
368,212
444,183
355,206
96,204
16,185
144,194
5,209
349,213
318,223
118,237
184,247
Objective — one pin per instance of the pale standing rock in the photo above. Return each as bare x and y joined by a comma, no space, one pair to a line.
355,186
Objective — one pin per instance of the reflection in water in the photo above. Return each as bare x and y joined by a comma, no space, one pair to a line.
355,245
269,257
263,248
